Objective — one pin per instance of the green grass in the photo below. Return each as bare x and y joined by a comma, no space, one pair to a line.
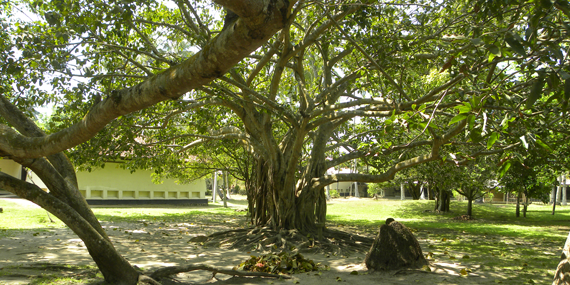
489,219
17,217
163,214
515,250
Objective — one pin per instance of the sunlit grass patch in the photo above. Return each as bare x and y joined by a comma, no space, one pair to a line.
512,250
16,216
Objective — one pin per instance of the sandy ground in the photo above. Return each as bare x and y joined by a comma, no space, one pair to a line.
151,245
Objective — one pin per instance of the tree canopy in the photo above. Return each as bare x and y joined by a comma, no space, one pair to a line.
278,90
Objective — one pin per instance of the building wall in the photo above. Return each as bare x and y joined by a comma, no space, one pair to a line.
343,187
10,167
113,182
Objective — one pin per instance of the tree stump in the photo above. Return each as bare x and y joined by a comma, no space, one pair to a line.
562,275
395,247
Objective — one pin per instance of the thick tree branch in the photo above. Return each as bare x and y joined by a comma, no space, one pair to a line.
216,58
325,180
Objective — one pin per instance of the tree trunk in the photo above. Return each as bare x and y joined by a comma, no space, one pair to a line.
442,201
518,209
277,203
115,269
525,204
470,207
554,199
224,188
562,275
415,190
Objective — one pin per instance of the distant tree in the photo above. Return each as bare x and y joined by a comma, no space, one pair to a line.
474,180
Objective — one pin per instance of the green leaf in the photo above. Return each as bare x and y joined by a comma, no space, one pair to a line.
458,118
492,139
542,144
504,168
476,41
465,108
515,44
475,135
535,92
494,49
471,121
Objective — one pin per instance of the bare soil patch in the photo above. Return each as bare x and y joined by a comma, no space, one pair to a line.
152,244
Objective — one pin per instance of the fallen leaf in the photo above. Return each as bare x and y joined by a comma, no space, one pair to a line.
463,272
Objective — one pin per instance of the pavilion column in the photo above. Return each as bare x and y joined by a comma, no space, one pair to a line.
564,195
402,192
423,196
328,192
356,193
215,186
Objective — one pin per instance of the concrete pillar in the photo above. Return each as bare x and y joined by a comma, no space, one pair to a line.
564,195
215,186
328,192
228,190
402,192
356,193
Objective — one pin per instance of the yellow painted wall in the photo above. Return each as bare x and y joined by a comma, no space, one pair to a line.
10,167
113,182
343,186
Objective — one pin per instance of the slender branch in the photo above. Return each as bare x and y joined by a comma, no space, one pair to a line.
359,48
437,142
205,66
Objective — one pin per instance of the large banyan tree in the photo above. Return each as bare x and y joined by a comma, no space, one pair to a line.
296,87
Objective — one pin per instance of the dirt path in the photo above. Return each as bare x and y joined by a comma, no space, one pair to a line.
152,244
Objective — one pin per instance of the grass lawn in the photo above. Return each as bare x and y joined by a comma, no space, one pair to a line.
516,250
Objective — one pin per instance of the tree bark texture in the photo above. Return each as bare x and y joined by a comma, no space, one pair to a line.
26,144
442,200
260,21
518,208
562,275
415,190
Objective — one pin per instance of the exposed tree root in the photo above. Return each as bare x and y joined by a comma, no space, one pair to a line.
267,240
172,270
166,272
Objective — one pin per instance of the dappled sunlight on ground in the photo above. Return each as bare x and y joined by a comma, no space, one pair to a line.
478,248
